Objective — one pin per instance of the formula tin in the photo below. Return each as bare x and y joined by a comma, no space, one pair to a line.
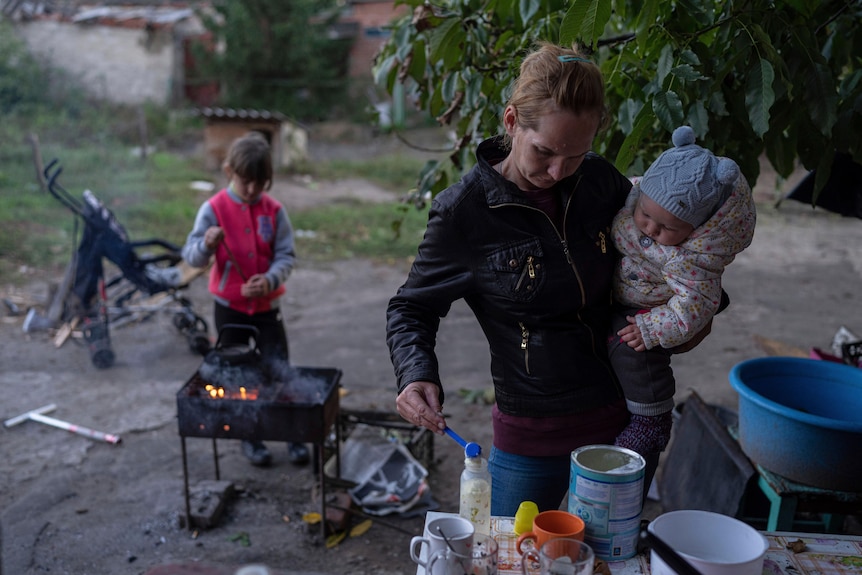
606,491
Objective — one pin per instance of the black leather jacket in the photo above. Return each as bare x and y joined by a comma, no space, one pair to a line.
542,298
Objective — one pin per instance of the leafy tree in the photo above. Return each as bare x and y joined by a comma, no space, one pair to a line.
23,82
776,76
275,55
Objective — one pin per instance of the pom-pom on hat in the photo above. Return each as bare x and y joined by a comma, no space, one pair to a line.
688,181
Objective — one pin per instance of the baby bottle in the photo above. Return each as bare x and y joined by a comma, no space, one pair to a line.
476,494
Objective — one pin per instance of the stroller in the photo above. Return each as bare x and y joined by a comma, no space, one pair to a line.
146,284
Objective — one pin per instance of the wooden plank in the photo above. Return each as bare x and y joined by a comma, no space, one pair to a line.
64,332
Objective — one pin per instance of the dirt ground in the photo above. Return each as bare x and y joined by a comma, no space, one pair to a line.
74,505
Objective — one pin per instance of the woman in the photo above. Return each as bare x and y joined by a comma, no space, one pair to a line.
524,239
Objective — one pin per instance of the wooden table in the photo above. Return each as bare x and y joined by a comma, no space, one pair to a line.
824,554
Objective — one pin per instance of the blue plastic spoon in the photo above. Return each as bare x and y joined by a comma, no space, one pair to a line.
470,449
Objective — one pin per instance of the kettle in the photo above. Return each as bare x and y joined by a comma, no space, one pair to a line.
234,365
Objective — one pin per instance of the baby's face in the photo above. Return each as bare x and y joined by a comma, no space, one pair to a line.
659,224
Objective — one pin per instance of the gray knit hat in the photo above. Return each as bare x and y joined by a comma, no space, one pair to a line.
688,181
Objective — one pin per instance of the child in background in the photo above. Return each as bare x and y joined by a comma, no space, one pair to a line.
251,237
686,219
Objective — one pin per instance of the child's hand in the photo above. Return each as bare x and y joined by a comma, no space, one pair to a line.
256,286
213,237
631,335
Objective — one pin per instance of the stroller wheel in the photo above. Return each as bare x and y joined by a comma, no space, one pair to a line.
98,340
102,358
183,320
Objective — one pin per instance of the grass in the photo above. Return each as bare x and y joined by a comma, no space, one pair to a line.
152,199
395,172
380,232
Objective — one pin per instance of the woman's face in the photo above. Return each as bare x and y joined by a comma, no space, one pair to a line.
554,150
659,224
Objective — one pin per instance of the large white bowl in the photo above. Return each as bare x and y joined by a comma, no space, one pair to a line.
714,544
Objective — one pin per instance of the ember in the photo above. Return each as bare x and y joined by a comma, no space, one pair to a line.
221,393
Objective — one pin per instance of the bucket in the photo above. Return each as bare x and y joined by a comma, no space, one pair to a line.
606,491
799,418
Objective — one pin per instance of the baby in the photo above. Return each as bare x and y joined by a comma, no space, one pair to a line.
686,219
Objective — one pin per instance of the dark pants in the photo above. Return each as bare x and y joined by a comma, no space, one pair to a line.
645,376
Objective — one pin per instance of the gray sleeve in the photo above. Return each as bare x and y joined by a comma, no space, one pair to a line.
284,256
194,251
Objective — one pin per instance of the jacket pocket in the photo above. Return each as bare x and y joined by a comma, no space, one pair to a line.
519,269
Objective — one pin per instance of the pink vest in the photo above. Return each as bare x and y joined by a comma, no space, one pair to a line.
250,236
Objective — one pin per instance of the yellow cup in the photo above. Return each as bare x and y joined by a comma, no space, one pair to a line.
527,510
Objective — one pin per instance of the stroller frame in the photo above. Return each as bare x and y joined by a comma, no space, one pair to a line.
147,284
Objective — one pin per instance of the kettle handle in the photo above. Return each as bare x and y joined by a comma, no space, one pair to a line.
253,332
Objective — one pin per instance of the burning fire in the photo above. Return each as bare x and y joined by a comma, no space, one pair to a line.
218,392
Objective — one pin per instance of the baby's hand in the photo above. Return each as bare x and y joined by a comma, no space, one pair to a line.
213,237
631,335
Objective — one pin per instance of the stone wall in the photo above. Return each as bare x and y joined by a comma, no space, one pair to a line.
117,64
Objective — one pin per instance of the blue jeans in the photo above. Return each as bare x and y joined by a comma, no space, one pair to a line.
517,478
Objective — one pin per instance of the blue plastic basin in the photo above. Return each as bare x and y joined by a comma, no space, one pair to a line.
802,419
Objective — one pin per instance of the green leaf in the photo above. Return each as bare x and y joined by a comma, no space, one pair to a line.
781,151
698,119
528,9
628,113
585,20
821,98
699,10
665,62
383,70
822,173
503,40
633,142
442,39
718,104
759,95
689,57
473,95
418,63
451,84
686,73
804,7
668,109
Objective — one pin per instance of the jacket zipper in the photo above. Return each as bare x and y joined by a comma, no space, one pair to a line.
529,270
525,339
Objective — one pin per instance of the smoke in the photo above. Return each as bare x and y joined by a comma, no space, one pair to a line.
298,385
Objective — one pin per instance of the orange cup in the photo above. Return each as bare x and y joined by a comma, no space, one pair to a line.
552,525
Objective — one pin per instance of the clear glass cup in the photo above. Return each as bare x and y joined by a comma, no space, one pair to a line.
563,556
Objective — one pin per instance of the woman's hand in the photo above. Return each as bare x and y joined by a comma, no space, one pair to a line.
419,403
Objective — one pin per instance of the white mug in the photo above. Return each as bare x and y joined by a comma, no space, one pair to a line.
457,530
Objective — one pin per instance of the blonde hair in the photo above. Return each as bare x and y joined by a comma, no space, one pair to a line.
564,76
250,158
